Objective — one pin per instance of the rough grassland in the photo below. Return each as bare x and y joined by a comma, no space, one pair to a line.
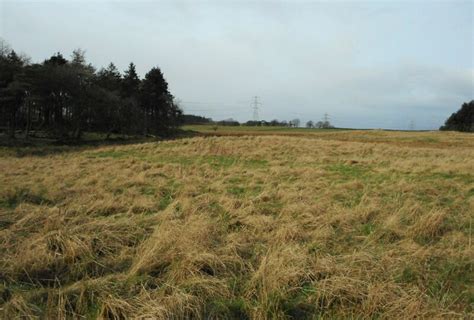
339,224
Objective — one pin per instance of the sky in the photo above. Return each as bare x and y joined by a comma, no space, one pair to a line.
377,64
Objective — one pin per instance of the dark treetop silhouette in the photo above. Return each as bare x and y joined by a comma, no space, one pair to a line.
63,98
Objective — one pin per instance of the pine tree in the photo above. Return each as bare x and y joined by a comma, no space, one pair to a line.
160,112
130,82
110,78
12,89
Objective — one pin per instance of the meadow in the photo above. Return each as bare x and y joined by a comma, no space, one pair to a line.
241,223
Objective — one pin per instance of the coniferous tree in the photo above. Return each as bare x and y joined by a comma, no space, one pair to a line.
110,78
50,86
82,93
160,112
130,82
130,115
108,103
12,88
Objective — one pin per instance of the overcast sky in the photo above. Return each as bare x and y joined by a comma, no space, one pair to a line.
378,64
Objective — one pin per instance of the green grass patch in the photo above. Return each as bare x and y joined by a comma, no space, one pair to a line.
215,161
470,193
227,309
218,161
165,199
451,279
237,191
255,163
167,195
464,178
93,310
367,228
408,275
13,198
348,199
348,171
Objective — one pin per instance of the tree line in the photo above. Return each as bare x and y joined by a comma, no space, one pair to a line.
462,120
64,98
194,119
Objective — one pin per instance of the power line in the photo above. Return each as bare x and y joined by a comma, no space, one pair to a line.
212,103
194,110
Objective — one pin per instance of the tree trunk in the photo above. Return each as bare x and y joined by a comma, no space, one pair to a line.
28,119
12,124
77,133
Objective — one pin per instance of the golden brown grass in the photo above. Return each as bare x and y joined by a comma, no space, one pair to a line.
342,224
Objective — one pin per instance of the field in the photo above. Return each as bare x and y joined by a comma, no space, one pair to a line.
241,223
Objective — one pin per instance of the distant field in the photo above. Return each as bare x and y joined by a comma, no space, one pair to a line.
434,139
241,223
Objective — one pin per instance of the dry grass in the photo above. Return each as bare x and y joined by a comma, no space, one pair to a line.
335,224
